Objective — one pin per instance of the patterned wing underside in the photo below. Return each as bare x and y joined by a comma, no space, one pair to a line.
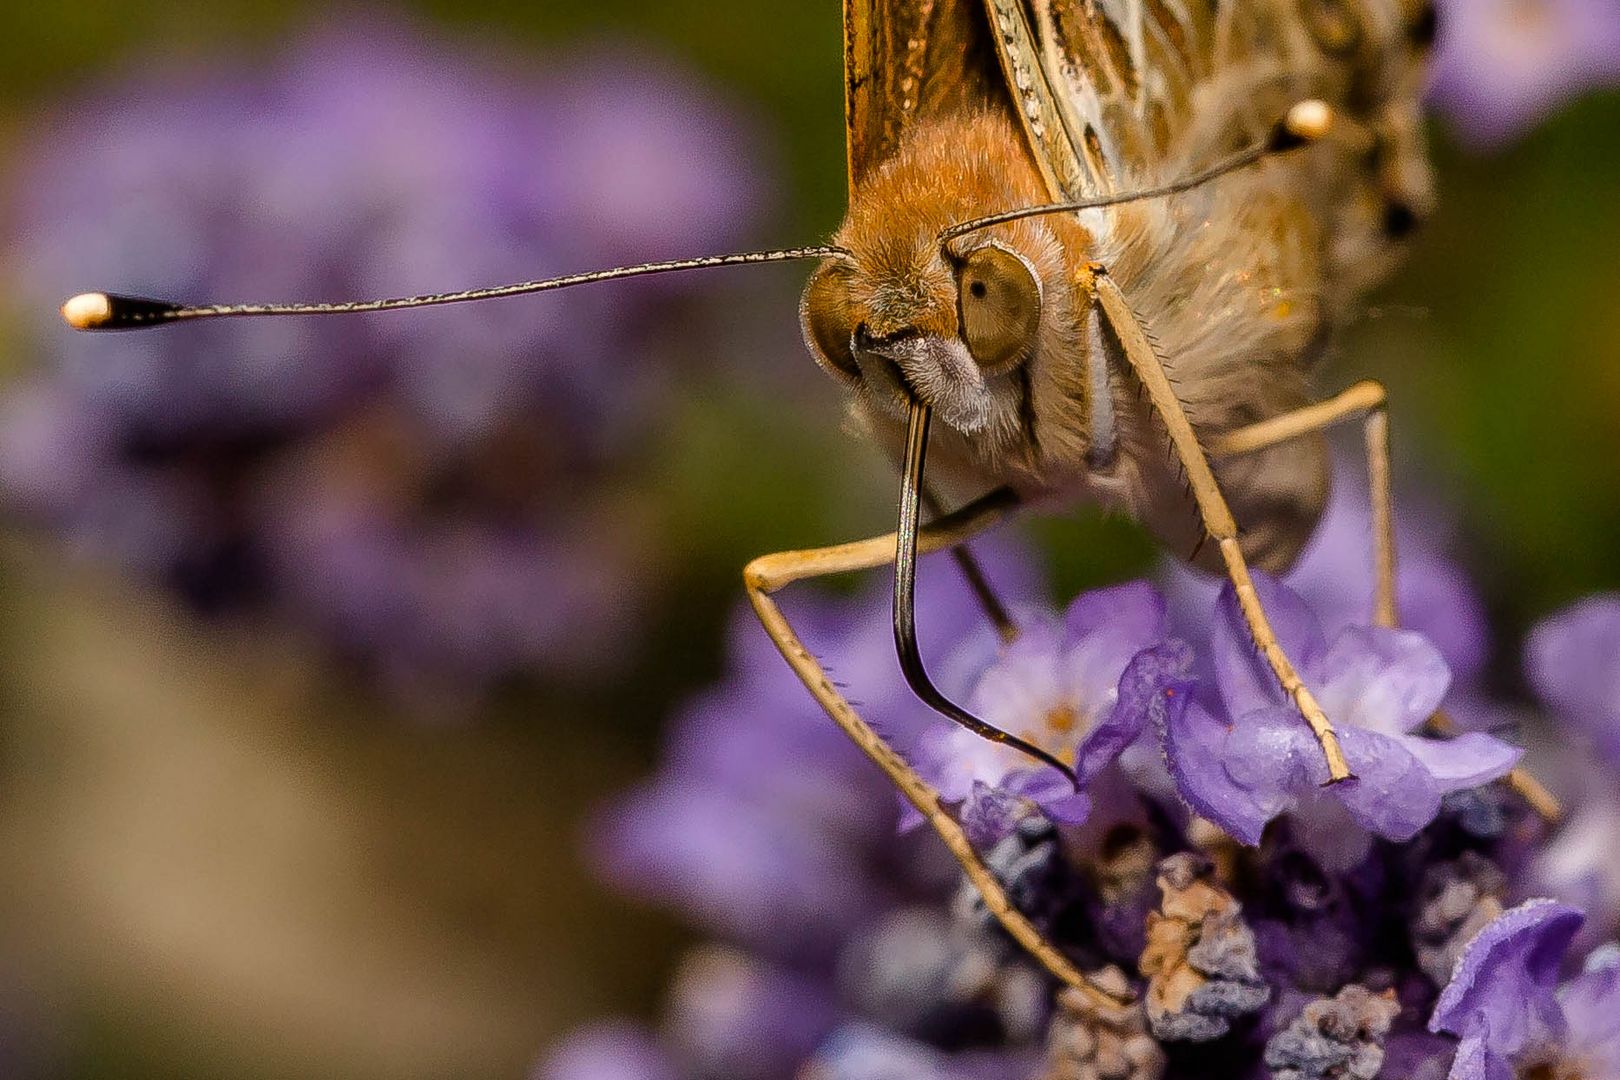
911,60
1129,82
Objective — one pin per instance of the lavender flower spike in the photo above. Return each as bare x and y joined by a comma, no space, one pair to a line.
1504,1002
1057,686
1379,686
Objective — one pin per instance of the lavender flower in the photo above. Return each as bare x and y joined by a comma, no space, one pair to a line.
1056,686
1333,574
421,490
1505,1004
1577,864
736,1017
1504,64
1200,960
1573,663
615,1051
861,1052
1316,951
1380,686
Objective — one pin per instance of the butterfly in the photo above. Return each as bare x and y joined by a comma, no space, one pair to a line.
1094,249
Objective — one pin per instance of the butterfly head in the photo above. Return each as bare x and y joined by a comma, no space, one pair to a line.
905,315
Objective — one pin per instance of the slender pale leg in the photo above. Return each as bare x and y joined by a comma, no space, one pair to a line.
769,574
1369,401
1212,506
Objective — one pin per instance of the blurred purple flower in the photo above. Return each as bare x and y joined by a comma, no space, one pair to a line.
1056,686
1573,663
1379,686
1502,65
615,1051
1576,864
423,489
1505,1004
764,823
731,1015
866,1052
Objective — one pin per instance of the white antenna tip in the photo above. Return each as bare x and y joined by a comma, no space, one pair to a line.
88,311
1309,120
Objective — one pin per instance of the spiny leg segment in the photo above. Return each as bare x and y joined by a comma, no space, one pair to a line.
1212,506
1369,400
769,574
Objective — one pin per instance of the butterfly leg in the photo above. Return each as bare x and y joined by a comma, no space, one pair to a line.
1212,507
1369,401
769,574
994,608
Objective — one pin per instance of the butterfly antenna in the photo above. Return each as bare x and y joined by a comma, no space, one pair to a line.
1306,122
905,596
109,311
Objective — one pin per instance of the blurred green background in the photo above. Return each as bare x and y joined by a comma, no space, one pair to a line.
221,858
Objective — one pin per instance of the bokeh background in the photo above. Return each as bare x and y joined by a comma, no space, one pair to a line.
322,643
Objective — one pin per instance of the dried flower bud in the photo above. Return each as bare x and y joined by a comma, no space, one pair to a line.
1338,1038
1094,1041
1030,864
1200,959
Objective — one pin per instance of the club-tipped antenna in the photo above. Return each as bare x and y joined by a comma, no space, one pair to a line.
1306,122
905,596
109,311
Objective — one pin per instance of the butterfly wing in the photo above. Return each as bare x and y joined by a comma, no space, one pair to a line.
1134,81
907,61
1147,91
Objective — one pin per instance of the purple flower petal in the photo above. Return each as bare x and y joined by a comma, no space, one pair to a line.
1195,747
1467,761
1158,687
1591,1003
735,1016
1390,681
1052,792
988,813
1573,662
1057,686
1502,991
1133,613
1334,575
1475,1061
1272,752
1149,673
738,867
1392,794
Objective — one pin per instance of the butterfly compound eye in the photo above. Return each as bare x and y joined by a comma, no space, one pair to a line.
1000,304
825,315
